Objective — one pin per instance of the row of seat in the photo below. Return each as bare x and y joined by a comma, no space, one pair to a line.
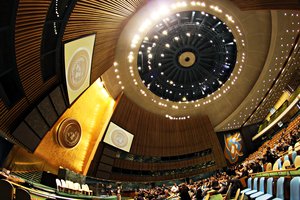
281,134
9,192
237,196
72,188
284,164
296,148
257,190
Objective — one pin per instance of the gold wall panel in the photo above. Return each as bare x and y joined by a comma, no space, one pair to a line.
93,111
20,160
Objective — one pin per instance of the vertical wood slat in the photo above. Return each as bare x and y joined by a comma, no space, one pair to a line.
124,177
155,135
106,19
267,4
9,116
126,164
28,35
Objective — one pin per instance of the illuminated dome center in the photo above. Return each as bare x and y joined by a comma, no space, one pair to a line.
187,56
187,59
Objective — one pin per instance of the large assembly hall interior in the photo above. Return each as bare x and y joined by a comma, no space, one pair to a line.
149,99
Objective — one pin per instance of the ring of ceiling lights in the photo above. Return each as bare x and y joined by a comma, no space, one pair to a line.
137,33
187,56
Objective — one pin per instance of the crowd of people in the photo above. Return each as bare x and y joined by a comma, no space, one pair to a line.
194,190
275,148
270,151
235,175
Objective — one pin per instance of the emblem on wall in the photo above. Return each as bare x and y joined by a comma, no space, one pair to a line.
233,147
119,138
78,56
69,133
78,69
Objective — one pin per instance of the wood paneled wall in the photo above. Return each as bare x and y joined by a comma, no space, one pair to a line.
123,177
267,4
28,36
28,29
106,19
127,164
156,135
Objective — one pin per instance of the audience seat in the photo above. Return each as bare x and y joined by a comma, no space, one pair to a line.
77,188
22,194
6,190
290,150
297,146
297,162
237,194
86,189
58,185
255,183
70,186
295,188
63,185
294,154
249,185
269,167
286,163
280,189
227,195
261,189
242,196
277,165
286,157
269,193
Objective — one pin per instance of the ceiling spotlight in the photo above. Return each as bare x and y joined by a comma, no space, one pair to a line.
164,38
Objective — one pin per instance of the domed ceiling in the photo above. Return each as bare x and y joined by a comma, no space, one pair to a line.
185,58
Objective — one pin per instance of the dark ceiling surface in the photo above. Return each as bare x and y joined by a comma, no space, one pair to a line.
264,40
267,46
187,56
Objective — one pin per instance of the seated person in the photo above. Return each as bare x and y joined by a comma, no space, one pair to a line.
184,192
174,188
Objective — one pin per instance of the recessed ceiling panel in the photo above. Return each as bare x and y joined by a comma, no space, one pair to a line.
187,56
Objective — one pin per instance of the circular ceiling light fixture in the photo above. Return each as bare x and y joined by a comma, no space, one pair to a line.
188,55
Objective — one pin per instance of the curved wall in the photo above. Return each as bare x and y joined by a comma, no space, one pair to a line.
157,136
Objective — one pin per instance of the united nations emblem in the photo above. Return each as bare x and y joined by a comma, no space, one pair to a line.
78,69
69,133
118,138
